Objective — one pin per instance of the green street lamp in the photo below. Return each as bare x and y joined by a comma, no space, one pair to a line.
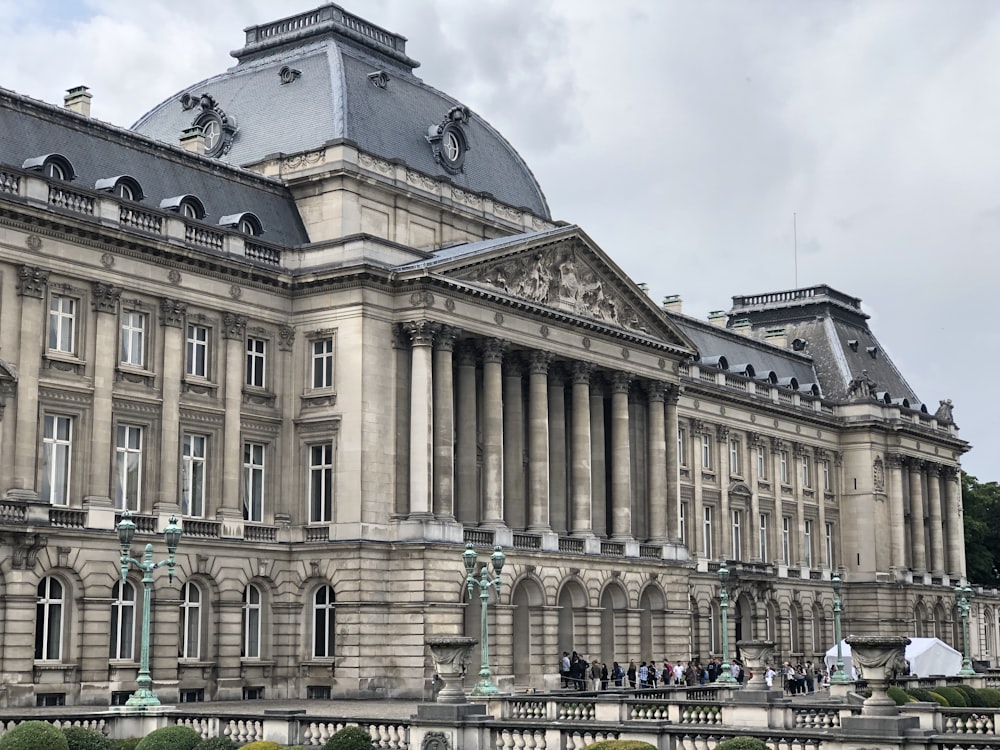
144,697
485,685
840,676
726,677
962,596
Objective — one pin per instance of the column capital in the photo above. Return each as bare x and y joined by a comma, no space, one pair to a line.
950,472
445,339
620,382
755,439
31,281
104,297
655,390
467,354
722,433
539,362
838,458
557,375
915,464
513,366
697,426
492,350
581,373
172,312
777,443
895,460
286,338
820,453
234,327
672,393
421,332
799,450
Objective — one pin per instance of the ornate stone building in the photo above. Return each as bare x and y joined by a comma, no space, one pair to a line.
320,311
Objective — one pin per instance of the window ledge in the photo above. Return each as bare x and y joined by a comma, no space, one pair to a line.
136,375
253,396
199,386
63,361
319,397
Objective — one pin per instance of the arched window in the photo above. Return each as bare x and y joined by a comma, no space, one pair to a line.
124,187
190,622
53,166
251,622
122,622
324,622
246,222
49,620
188,206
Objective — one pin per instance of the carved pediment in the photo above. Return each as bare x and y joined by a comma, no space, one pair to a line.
563,277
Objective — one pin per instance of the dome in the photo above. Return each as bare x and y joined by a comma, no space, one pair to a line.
326,75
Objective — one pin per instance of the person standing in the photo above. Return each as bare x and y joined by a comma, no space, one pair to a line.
632,673
564,669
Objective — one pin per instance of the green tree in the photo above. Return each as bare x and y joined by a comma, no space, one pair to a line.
981,503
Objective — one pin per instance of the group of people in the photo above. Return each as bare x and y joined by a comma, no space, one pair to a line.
577,673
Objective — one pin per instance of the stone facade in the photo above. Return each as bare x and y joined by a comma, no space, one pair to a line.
334,419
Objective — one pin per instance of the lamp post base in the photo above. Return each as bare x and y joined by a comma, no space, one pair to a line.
485,686
143,698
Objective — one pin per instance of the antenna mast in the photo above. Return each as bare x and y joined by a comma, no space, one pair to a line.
795,248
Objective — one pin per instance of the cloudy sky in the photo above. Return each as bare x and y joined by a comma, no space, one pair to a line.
683,135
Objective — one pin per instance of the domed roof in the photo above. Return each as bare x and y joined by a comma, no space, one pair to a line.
326,75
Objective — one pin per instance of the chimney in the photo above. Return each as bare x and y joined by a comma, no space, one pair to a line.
193,140
742,326
672,303
717,318
77,100
644,287
776,336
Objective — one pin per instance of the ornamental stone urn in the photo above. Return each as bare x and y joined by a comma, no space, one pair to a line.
757,655
450,654
878,659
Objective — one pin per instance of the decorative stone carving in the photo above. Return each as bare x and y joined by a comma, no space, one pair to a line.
436,741
757,655
421,332
944,412
305,159
104,297
451,654
31,281
878,660
233,326
722,433
172,312
286,338
445,340
861,388
26,549
493,350
376,165
878,475
538,362
560,278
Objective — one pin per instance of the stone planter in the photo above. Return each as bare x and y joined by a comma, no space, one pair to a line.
757,655
878,660
450,654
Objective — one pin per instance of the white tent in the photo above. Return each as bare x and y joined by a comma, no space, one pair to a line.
926,656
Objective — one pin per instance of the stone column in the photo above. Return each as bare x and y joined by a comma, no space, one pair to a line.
936,526
897,515
598,460
31,286
918,540
104,299
779,509
421,334
580,522
725,522
444,424
513,443
467,438
172,320
558,497
671,395
658,499
234,333
493,431
538,442
621,459
754,440
956,528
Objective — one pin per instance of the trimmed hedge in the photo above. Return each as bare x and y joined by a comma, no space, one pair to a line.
954,697
350,738
620,745
126,743
217,743
170,738
742,743
86,739
899,695
33,735
972,696
263,745
990,696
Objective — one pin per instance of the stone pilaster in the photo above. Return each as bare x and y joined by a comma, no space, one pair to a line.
673,491
172,321
467,437
897,515
935,525
104,299
918,533
234,334
956,528
779,508
725,521
754,441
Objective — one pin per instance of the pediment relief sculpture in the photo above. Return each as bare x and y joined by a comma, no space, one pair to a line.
561,279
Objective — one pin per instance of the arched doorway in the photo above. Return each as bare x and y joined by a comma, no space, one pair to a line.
572,629
742,617
614,611
652,638
530,664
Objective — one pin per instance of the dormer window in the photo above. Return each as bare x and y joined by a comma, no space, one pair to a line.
52,166
124,187
246,223
188,206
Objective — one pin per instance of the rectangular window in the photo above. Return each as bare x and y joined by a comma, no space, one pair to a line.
682,522
762,539
197,351
761,462
256,361
681,446
786,546
57,454
706,452
734,457
253,482
829,544
128,467
737,534
827,484
805,472
707,531
807,544
193,476
322,363
62,324
783,466
133,339
321,483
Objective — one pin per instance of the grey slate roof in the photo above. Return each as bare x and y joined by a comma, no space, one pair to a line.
333,99
98,151
471,249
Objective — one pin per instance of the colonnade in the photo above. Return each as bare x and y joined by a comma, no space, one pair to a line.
517,438
925,507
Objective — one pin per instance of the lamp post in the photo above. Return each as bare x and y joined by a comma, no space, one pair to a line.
144,697
727,671
841,675
485,685
962,596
